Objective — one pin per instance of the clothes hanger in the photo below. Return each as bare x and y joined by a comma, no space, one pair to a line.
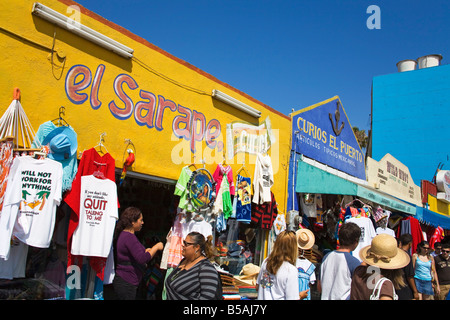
100,143
302,255
193,165
60,120
243,169
355,200
39,155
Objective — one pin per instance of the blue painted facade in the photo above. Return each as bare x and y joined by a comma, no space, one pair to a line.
411,117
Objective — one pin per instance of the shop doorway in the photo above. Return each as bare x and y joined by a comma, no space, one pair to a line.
155,198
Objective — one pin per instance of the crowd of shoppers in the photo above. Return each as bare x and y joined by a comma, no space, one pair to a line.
383,270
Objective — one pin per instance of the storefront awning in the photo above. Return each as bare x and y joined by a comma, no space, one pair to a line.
385,200
433,218
314,180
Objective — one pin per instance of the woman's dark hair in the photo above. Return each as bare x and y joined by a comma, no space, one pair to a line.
205,244
126,219
421,245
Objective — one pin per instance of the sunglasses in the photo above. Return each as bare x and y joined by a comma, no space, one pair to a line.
187,244
446,251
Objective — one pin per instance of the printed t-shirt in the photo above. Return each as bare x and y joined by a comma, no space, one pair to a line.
282,286
98,215
388,231
442,269
29,206
91,163
243,199
336,273
367,233
263,179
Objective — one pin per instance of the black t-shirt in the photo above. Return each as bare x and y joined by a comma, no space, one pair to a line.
442,269
406,293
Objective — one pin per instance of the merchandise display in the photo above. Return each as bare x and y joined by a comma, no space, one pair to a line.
59,210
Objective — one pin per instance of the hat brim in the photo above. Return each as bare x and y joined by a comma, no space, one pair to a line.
71,135
400,260
308,245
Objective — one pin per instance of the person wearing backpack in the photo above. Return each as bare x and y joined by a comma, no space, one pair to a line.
380,273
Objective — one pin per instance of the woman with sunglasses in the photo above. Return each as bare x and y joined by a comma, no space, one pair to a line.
425,271
195,278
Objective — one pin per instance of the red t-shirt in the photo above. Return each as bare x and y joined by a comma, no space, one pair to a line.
91,163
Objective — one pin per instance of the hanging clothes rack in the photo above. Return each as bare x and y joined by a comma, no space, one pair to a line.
14,123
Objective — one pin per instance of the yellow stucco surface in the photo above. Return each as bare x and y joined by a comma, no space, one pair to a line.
438,205
37,57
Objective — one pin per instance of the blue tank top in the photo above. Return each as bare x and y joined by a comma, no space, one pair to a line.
423,270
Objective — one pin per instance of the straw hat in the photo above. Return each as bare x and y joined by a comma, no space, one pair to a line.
305,239
249,270
249,273
383,253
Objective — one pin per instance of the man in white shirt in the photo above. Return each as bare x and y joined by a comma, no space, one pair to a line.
337,267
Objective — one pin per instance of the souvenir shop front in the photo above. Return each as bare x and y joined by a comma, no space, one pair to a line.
434,214
119,125
329,184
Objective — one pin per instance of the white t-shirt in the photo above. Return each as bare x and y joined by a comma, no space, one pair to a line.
309,206
263,179
282,286
98,215
336,273
367,233
202,227
29,206
386,230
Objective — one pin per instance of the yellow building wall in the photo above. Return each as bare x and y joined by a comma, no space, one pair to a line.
46,62
438,206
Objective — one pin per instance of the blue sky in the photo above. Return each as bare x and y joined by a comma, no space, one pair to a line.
290,54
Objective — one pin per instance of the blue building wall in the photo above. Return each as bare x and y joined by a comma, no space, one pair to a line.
411,119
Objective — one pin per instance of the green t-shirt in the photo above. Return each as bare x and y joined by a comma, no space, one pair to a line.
180,187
